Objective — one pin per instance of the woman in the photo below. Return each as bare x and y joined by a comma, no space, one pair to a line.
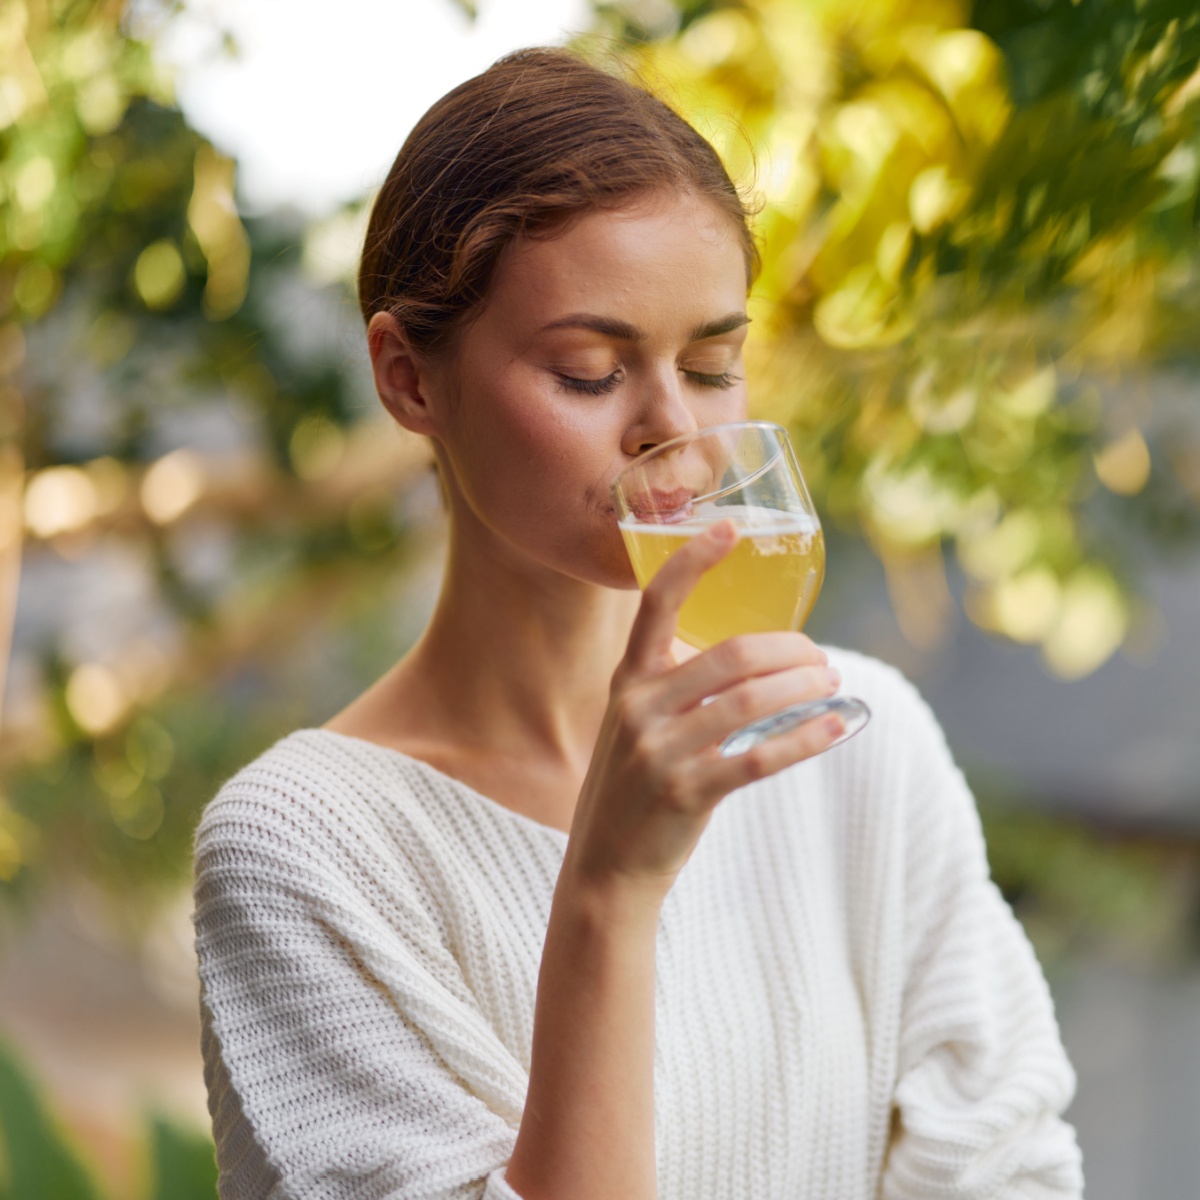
500,929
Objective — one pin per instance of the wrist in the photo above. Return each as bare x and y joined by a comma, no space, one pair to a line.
598,905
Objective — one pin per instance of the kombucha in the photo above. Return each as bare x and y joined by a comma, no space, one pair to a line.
769,580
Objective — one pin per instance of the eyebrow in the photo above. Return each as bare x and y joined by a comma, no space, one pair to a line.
711,329
624,332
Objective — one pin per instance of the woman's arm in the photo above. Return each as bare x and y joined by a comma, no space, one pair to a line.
347,1054
982,1077
588,1125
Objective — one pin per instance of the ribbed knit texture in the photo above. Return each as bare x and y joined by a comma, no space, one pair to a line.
846,1009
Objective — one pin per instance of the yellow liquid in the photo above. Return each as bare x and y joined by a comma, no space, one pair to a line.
769,580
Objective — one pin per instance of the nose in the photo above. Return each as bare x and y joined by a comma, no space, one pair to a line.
663,413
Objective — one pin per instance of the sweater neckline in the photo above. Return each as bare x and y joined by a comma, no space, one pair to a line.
502,811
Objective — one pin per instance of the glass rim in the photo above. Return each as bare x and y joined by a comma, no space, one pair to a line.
691,436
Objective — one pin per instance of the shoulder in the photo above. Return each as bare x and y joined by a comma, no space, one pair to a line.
323,833
321,814
318,805
899,773
303,785
897,779
864,673
883,779
900,716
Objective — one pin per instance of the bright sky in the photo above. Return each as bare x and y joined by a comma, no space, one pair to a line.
321,95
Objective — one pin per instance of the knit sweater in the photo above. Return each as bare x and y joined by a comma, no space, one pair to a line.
845,1006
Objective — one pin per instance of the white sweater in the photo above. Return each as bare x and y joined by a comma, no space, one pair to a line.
845,1008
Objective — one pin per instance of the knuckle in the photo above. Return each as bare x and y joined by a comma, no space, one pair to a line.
622,677
744,703
628,707
736,655
757,762
641,759
674,794
654,598
814,736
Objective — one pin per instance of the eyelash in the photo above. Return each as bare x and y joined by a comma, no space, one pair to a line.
725,380
590,387
600,387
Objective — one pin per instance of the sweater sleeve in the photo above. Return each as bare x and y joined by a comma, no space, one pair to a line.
343,1059
982,1076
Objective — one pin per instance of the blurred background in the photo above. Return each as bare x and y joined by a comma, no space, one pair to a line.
979,314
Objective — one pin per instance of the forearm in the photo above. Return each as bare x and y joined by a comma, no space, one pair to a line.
587,1131
588,1126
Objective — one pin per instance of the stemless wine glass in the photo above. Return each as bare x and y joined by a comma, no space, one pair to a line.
745,472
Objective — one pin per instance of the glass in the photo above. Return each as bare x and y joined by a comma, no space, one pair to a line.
745,472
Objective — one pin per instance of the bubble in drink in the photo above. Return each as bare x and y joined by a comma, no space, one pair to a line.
769,581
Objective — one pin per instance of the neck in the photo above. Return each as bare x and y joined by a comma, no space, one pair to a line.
518,658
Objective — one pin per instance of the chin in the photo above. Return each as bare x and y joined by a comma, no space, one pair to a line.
611,569
610,566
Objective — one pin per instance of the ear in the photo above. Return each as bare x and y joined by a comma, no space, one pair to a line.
401,375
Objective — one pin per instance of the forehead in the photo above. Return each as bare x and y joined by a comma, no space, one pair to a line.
661,257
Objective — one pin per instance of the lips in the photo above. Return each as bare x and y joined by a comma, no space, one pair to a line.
662,506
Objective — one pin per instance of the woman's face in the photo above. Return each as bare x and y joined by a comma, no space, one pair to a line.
622,331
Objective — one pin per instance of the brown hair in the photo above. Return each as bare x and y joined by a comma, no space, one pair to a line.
539,137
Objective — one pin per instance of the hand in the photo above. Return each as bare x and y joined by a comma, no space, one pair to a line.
656,773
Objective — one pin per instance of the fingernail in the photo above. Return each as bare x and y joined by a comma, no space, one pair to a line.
834,726
724,531
835,680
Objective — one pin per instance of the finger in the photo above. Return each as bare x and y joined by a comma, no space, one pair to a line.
735,660
725,775
654,627
709,724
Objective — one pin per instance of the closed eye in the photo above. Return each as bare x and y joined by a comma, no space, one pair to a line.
590,387
600,387
724,380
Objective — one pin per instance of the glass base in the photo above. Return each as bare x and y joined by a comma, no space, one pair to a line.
853,712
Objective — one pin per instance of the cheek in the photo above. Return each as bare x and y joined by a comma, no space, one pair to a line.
733,404
556,430
720,406
520,447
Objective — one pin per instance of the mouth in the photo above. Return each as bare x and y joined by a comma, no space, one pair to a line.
662,506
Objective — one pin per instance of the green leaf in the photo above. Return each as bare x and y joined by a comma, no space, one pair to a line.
39,1164
184,1166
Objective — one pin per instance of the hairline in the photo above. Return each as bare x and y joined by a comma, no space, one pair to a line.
560,225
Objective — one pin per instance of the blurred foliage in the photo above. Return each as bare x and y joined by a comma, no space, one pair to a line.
38,1163
979,225
176,397
184,1165
979,222
1083,892
981,235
